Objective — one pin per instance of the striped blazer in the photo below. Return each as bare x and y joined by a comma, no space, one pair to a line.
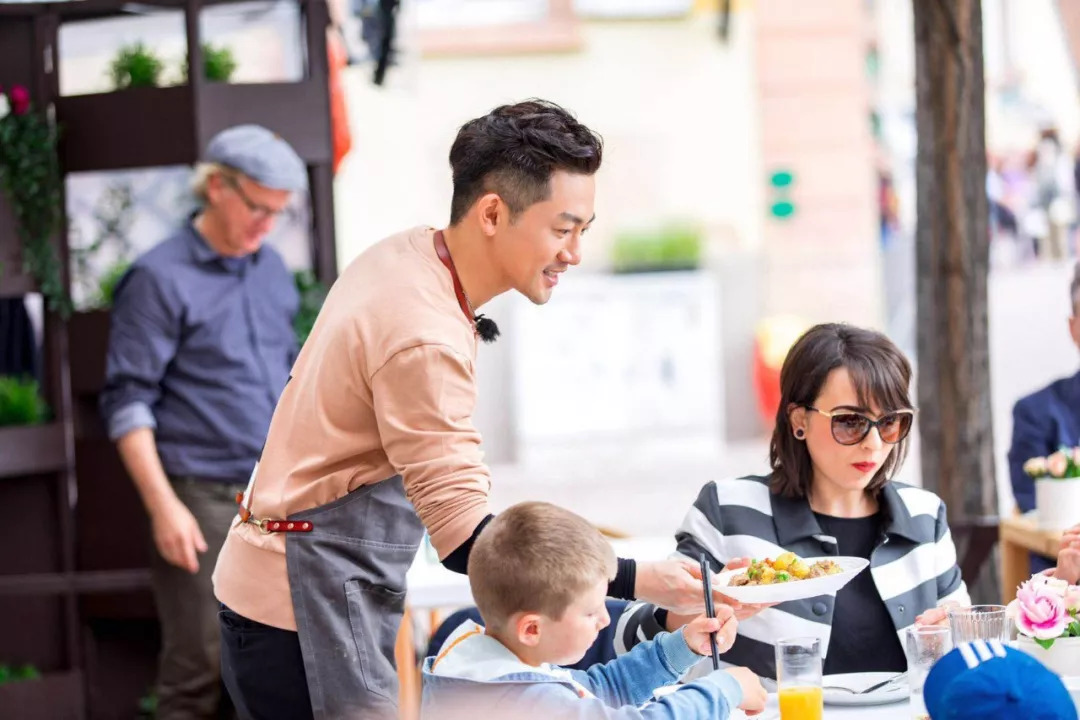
913,565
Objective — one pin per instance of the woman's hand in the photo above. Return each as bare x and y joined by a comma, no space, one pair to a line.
1068,565
938,616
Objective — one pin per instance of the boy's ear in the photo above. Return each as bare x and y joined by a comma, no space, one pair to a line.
527,629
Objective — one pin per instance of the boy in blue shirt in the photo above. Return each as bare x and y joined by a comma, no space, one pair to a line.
539,575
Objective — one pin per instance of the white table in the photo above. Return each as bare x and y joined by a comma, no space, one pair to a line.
431,586
895,711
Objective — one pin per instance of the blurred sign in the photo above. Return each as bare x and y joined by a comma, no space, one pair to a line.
618,356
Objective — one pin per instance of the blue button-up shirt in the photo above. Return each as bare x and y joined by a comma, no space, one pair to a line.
201,346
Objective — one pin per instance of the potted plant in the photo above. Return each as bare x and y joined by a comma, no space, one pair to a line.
1057,488
312,295
218,63
18,673
20,402
30,180
671,248
135,66
1045,614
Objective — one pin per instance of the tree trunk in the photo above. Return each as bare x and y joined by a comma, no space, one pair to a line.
952,258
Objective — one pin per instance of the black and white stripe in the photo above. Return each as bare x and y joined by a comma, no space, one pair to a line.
913,566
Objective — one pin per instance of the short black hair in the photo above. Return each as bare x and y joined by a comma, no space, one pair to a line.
514,150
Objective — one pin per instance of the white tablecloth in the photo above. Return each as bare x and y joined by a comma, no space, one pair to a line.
896,711
431,586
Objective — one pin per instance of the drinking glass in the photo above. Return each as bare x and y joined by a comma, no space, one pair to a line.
979,622
923,646
798,678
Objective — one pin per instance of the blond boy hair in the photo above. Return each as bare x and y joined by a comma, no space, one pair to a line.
536,557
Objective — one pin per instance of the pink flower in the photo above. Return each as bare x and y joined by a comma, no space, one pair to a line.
20,100
1057,463
1072,599
1035,467
1076,456
1039,611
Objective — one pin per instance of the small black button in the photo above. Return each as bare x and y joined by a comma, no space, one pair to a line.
820,608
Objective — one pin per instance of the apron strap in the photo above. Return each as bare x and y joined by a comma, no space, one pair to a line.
267,525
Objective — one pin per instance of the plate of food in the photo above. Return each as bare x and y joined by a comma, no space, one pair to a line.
788,577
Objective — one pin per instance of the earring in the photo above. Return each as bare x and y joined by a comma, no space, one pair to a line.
800,434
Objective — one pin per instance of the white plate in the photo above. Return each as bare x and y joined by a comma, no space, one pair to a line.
794,589
897,692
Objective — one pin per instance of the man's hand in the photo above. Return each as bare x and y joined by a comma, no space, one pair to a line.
754,694
675,585
672,584
177,535
725,626
176,532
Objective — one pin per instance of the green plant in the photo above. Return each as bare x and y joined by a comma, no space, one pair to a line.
135,66
114,214
20,673
218,63
20,402
30,179
671,248
108,282
148,705
312,297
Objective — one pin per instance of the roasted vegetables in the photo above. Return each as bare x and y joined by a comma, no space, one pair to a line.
787,567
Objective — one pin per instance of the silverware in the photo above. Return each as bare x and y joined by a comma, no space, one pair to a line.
872,688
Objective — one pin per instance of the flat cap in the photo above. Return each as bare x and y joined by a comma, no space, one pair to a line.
261,155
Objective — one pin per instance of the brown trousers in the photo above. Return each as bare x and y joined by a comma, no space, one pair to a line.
189,669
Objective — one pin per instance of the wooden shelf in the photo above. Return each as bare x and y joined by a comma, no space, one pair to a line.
32,449
55,696
83,583
153,127
98,9
1024,531
13,283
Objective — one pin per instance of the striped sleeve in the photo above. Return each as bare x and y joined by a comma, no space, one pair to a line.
698,533
950,586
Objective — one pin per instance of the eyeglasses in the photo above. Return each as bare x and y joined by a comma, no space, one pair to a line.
849,428
258,211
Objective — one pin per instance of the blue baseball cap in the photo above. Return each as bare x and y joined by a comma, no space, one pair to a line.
986,680
260,154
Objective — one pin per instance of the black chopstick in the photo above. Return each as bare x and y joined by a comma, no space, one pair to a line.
710,611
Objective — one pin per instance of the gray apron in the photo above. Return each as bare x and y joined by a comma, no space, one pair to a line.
348,590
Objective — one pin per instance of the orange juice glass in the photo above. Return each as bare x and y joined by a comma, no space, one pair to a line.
801,703
798,678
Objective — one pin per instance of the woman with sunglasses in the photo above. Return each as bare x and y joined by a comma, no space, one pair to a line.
840,437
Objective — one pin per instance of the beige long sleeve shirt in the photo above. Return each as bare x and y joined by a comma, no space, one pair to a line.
384,386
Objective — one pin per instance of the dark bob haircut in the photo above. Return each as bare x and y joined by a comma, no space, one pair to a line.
881,375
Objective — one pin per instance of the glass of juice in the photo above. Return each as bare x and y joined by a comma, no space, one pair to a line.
798,677
924,646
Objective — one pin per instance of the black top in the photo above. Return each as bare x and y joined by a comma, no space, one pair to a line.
863,636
